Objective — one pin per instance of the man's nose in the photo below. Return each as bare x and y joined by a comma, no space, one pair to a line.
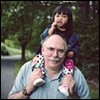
55,53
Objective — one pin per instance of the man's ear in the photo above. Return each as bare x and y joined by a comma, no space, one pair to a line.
42,50
65,56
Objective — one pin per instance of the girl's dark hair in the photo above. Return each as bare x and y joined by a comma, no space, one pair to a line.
66,11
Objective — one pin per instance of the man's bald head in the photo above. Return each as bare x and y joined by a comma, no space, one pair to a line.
54,49
55,39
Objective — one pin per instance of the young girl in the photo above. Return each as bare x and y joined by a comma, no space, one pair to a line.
63,24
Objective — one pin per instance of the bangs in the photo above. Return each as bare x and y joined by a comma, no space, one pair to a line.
62,9
63,12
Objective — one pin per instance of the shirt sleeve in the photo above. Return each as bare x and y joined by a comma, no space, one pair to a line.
81,86
19,82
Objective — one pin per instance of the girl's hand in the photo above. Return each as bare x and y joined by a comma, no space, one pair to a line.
53,27
70,54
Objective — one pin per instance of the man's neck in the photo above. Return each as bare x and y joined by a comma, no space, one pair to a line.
52,72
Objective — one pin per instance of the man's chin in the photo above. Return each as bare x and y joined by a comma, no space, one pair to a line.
54,63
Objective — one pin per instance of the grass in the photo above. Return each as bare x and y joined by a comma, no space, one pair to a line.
94,91
18,66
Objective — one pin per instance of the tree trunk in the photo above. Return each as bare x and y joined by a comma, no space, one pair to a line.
23,53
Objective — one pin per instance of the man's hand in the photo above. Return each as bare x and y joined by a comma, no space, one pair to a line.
37,73
69,82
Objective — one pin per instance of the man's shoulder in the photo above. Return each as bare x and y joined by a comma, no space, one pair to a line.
77,70
78,75
27,65
28,62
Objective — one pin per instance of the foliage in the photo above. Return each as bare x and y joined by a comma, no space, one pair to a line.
22,23
26,20
8,50
11,51
94,91
4,51
17,67
88,57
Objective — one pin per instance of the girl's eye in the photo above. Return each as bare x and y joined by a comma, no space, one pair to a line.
64,16
57,15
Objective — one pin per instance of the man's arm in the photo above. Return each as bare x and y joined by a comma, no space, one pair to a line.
81,87
22,92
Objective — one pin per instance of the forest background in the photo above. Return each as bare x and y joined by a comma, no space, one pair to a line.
22,23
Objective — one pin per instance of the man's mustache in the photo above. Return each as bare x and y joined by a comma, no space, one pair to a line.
54,59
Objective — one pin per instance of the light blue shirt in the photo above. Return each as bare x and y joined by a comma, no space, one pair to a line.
49,90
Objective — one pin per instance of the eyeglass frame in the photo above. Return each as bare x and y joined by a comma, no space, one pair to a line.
51,50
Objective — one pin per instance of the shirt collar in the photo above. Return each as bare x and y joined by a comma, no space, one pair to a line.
60,74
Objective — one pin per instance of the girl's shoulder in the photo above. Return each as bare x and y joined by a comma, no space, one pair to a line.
48,26
75,35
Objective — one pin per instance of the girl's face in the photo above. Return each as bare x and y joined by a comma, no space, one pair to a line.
61,19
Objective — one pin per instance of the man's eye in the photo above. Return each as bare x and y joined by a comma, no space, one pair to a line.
51,49
61,51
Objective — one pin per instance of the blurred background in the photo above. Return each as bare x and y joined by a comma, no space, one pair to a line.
22,23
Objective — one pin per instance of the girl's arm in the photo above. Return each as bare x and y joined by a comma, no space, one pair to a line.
49,30
45,33
73,44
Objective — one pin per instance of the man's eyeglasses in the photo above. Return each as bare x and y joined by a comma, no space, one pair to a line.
51,50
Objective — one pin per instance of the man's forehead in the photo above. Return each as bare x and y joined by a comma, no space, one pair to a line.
54,38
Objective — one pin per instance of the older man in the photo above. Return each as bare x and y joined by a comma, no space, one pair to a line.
53,49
